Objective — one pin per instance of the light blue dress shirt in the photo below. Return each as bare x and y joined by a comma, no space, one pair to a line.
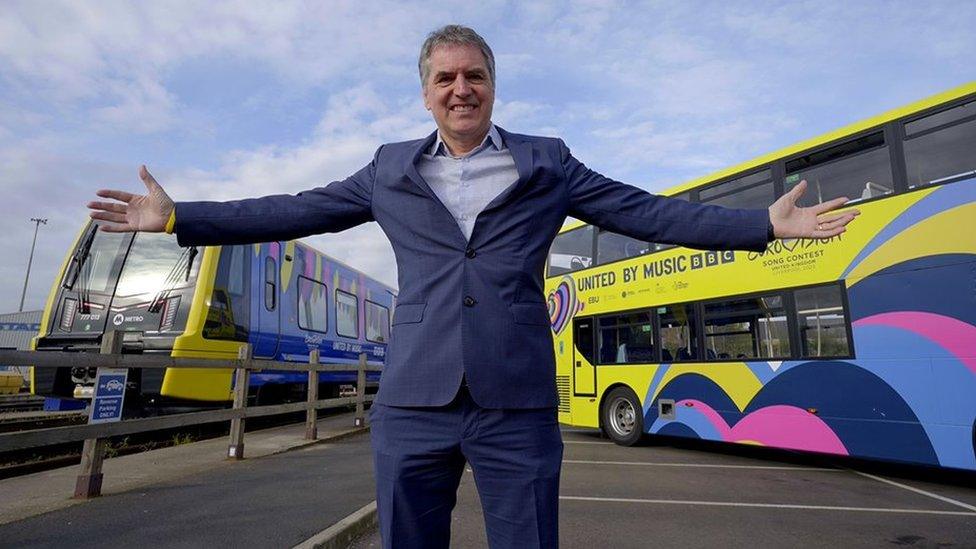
466,184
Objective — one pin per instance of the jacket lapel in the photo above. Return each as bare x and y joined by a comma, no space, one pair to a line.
411,167
414,175
522,154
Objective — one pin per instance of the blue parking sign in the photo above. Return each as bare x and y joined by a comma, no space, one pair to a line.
109,395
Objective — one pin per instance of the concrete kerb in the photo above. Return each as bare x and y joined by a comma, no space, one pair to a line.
341,435
343,532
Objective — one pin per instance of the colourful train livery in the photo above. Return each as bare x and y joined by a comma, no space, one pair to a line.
283,299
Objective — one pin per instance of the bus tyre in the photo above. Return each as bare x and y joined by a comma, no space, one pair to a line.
622,417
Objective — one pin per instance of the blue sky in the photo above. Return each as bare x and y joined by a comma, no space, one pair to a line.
231,99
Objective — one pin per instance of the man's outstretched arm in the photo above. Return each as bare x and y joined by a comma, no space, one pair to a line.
335,207
631,211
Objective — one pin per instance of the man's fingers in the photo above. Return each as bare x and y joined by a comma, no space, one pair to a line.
838,221
834,216
797,192
108,216
147,178
114,228
830,205
108,206
827,233
121,196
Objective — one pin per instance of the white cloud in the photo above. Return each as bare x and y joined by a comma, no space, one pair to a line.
355,123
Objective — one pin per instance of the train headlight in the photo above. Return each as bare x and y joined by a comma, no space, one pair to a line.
168,316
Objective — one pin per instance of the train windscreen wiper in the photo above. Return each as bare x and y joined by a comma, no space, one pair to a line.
78,260
78,263
184,267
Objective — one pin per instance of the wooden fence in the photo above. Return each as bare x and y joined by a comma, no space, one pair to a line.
89,480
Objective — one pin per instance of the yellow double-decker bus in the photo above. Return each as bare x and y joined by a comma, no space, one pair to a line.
863,344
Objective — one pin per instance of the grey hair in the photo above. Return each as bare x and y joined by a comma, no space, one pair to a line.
455,35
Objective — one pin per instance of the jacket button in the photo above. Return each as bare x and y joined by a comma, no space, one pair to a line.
470,253
469,301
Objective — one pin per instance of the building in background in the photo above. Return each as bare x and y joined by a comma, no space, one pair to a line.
16,332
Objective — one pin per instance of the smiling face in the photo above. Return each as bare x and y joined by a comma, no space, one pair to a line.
460,94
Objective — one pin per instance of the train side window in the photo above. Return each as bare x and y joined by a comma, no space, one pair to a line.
679,333
941,147
347,314
571,251
377,322
270,284
823,322
746,328
313,305
749,191
227,316
583,338
626,339
612,246
858,169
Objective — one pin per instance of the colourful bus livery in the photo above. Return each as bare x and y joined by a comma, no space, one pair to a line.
861,345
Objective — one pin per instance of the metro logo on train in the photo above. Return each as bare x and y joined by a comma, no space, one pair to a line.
859,345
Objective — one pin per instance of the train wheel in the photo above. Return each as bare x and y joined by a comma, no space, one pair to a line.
622,417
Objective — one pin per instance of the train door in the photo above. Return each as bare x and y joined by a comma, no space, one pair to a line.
268,294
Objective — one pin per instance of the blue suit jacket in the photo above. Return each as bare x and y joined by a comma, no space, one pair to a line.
473,308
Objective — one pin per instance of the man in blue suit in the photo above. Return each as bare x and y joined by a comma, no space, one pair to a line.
471,211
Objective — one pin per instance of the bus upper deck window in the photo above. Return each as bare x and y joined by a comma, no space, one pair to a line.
749,191
612,246
941,147
858,169
571,251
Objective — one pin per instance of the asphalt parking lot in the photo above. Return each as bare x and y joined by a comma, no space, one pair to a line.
681,495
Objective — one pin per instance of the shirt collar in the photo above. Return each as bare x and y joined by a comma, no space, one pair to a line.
493,139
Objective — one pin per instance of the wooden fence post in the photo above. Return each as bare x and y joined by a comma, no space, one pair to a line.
361,391
235,450
89,482
311,415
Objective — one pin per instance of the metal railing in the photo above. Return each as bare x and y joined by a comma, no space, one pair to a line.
89,481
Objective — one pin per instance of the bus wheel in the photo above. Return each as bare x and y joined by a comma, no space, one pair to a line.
623,417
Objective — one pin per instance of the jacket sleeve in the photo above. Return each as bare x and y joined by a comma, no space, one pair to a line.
633,212
333,208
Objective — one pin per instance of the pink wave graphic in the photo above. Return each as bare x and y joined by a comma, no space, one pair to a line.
779,425
955,336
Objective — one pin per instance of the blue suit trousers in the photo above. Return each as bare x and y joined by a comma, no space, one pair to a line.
419,456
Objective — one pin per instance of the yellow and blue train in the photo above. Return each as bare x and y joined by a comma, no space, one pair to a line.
284,299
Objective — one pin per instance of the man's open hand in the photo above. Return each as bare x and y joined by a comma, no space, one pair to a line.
148,212
792,221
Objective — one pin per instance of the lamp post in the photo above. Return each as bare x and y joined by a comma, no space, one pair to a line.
37,225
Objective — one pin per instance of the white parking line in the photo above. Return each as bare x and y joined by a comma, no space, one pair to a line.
707,465
769,506
918,491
